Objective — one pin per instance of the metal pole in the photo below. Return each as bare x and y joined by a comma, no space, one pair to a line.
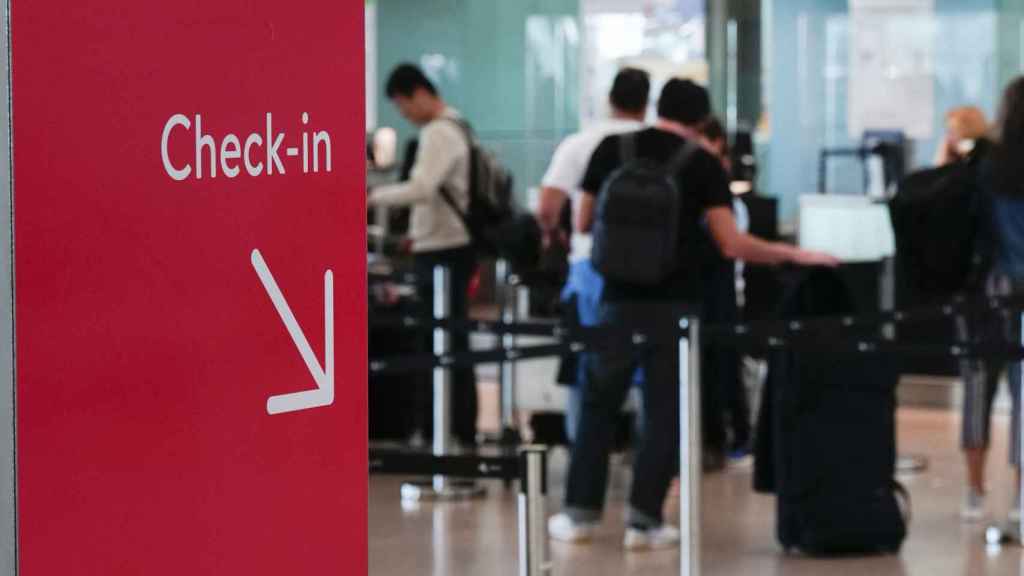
509,370
383,226
689,448
501,273
887,294
534,557
905,463
439,487
442,375
508,291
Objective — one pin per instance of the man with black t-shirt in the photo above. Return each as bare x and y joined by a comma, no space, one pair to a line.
706,222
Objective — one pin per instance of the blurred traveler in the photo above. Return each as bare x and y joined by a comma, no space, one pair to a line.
726,411
437,233
717,142
699,190
1001,176
628,100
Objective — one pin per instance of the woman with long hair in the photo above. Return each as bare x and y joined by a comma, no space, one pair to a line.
1001,174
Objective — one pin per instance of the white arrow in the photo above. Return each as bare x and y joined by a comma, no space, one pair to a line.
323,395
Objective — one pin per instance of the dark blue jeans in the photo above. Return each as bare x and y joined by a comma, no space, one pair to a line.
462,264
657,458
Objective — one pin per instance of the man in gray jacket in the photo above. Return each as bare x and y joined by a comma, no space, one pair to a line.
437,233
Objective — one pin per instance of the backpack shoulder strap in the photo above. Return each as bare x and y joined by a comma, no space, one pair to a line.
446,194
627,147
681,158
464,127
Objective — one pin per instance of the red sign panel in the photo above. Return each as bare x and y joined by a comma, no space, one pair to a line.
190,287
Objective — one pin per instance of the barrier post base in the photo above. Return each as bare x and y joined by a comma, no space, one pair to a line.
452,491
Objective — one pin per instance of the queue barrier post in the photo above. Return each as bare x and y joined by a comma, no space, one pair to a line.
441,487
534,552
508,376
690,447
529,466
905,463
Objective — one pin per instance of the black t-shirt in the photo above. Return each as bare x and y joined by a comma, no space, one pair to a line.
703,185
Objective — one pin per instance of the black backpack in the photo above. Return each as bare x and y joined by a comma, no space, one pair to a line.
943,234
636,230
494,222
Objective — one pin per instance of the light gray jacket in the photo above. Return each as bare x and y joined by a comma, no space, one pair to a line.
442,161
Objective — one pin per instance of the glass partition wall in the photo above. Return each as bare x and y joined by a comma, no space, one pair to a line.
838,72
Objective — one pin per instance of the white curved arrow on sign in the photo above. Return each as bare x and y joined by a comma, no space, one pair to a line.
323,395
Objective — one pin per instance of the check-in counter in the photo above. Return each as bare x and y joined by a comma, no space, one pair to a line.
859,231
855,229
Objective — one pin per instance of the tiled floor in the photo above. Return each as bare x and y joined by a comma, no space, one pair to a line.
479,539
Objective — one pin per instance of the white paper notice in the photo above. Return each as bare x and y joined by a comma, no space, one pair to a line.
892,52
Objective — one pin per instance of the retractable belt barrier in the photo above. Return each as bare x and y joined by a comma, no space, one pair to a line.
823,334
879,346
769,328
449,471
392,278
819,335
406,462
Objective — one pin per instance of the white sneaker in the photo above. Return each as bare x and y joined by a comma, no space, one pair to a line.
974,506
563,528
659,538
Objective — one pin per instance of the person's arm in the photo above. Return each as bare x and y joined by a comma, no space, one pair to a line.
604,161
585,213
440,147
736,245
549,209
946,152
563,175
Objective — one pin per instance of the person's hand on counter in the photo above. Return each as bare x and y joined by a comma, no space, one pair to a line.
814,258
736,245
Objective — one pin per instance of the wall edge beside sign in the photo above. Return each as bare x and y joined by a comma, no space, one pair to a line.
8,389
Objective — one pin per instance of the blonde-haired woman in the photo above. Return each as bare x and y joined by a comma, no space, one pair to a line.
964,127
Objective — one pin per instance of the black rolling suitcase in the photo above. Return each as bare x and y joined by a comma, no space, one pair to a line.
830,422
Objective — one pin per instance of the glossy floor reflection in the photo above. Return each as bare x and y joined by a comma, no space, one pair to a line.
479,539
